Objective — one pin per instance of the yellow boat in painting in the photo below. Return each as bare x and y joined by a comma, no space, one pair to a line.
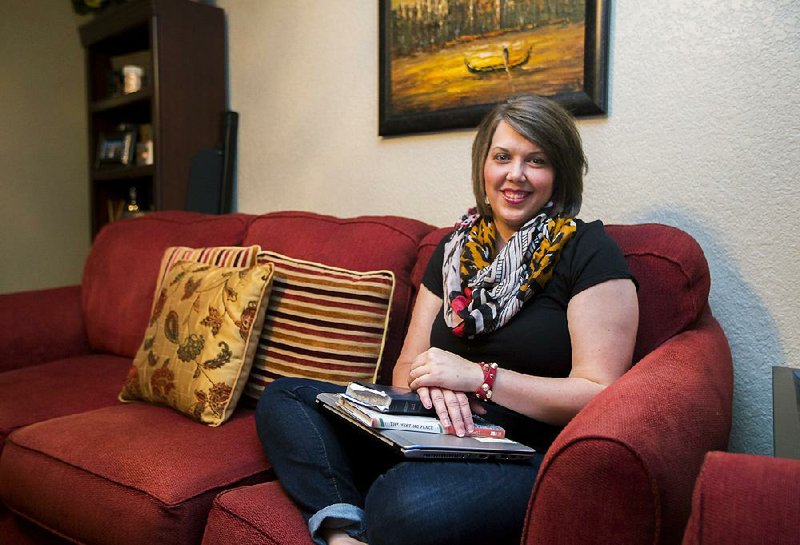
503,66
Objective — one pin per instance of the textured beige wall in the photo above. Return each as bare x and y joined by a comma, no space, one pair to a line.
703,133
44,223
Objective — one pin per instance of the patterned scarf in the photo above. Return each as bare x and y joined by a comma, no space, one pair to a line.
482,290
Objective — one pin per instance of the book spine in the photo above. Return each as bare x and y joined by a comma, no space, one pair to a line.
409,407
488,431
432,425
481,430
395,423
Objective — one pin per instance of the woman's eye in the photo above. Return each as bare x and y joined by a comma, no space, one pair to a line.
501,157
538,160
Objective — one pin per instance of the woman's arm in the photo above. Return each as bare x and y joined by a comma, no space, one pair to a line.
418,337
452,407
602,322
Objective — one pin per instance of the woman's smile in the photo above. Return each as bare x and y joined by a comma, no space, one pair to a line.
515,197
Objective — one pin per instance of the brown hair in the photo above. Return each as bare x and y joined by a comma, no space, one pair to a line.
549,126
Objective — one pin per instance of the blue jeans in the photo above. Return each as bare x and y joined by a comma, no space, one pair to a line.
339,477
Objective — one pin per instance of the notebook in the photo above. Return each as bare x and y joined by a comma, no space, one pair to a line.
436,446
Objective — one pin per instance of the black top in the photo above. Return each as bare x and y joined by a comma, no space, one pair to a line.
536,341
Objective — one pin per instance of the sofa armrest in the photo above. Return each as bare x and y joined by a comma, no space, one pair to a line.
746,498
623,470
40,326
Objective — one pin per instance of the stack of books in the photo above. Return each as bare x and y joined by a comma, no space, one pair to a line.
389,407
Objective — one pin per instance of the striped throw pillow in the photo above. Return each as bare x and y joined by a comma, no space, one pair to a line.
221,256
322,322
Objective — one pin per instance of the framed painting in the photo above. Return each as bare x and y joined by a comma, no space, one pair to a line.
445,63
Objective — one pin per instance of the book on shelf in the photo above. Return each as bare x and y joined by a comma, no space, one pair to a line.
387,399
428,424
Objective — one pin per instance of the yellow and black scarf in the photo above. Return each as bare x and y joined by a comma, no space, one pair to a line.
483,291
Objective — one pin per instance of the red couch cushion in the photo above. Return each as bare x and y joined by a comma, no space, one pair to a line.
425,251
673,276
41,325
120,273
240,516
58,388
127,474
365,243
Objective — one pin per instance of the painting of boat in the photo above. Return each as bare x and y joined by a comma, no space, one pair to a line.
445,62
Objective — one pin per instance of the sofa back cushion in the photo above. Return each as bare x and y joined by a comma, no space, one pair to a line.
425,251
119,277
673,276
669,265
366,243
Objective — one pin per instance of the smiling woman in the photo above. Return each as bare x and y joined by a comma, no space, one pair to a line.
524,314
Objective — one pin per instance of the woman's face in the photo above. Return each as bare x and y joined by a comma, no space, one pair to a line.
518,180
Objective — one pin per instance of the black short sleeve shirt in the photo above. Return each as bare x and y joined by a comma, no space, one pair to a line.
537,341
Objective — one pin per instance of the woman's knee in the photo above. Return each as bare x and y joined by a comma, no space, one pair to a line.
436,503
283,397
277,406
275,393
282,393
399,511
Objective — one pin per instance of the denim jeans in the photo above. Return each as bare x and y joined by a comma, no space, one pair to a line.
339,477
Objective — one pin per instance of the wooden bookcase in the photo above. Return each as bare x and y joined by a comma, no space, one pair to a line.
181,45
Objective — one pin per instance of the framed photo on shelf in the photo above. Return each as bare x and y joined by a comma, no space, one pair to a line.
116,148
444,65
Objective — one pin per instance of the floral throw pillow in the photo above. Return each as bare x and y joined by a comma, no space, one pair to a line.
200,341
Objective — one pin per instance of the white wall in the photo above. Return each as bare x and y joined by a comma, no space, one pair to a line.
703,134
44,197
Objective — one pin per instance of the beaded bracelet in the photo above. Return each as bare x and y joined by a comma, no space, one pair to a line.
484,392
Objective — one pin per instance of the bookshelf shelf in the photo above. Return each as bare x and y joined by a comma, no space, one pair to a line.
122,173
121,101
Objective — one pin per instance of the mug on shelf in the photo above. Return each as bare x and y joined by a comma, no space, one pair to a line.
132,76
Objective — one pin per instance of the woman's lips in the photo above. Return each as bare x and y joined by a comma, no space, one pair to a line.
515,196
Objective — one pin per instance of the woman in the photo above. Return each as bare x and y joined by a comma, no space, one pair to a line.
524,315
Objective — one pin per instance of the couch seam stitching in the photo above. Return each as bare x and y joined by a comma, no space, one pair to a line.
343,221
228,511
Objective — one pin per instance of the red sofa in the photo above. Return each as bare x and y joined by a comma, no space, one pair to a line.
74,462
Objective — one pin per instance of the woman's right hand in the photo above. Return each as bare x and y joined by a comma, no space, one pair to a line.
452,408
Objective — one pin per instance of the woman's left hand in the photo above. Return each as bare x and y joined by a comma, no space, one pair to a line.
438,368
441,379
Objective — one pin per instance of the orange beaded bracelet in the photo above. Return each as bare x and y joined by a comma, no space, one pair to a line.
484,392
